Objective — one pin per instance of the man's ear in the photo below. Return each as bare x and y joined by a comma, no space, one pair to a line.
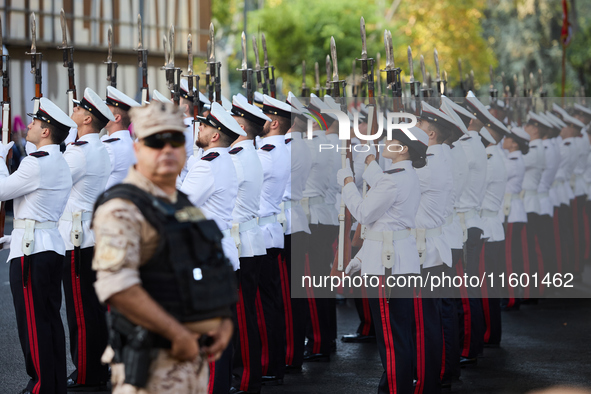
87,119
117,118
46,133
215,137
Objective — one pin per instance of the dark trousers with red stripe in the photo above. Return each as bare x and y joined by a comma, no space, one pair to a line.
35,282
428,339
516,254
492,262
220,371
578,209
86,318
361,301
246,367
296,307
450,368
392,313
319,331
270,315
470,305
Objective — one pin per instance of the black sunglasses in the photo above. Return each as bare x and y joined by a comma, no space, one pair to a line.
158,141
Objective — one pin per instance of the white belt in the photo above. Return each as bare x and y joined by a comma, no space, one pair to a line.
267,220
30,226
86,215
485,213
20,223
543,194
227,233
316,200
248,225
387,238
529,193
557,183
287,205
429,232
379,235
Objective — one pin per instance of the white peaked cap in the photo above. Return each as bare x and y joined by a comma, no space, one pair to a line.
519,132
450,111
52,114
436,116
156,95
457,108
223,121
297,107
118,99
203,98
572,120
420,135
582,108
559,109
275,107
95,105
316,104
533,117
553,119
484,133
241,107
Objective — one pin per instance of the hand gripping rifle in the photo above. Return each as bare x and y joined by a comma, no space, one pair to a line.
6,118
415,86
111,65
142,62
246,73
269,76
68,63
393,82
214,69
438,81
36,58
173,74
192,81
305,89
344,248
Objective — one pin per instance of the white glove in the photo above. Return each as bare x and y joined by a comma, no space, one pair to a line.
344,173
5,242
354,266
4,149
364,152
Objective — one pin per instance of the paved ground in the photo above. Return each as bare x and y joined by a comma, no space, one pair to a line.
543,345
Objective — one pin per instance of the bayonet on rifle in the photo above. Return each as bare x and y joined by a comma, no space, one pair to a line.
68,63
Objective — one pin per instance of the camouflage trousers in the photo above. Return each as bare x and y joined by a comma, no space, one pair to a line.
167,376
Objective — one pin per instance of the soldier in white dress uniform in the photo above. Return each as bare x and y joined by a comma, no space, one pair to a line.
40,189
118,140
90,169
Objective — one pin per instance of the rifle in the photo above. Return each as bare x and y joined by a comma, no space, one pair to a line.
426,90
328,89
462,86
494,93
214,68
192,80
415,91
142,62
111,65
317,79
393,82
344,247
257,65
268,80
6,118
305,89
246,73
173,74
543,93
438,81
354,86
516,101
68,63
36,58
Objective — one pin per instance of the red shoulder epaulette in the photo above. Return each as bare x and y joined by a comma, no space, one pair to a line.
210,156
40,153
268,147
235,150
111,140
79,143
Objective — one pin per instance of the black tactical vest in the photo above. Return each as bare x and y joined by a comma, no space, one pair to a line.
189,276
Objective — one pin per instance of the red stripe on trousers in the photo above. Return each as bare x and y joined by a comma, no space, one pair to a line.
509,262
289,350
420,339
586,234
263,333
210,384
467,314
388,340
485,304
525,252
575,208
79,310
540,264
32,325
243,331
366,312
313,312
557,240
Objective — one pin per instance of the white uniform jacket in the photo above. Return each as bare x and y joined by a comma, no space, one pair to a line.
119,145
